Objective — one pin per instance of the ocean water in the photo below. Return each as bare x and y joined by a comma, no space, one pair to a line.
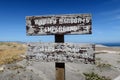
111,44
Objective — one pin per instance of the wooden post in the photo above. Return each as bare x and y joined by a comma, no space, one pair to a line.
60,67
94,54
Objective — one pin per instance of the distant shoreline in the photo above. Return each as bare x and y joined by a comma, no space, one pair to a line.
104,44
111,44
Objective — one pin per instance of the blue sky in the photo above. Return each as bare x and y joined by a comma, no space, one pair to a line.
105,18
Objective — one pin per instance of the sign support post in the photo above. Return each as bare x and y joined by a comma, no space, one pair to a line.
60,67
59,25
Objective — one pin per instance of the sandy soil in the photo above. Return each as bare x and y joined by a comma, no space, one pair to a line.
24,70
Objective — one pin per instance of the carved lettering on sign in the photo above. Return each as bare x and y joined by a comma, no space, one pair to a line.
60,52
58,24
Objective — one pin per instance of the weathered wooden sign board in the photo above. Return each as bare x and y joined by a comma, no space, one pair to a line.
60,52
59,24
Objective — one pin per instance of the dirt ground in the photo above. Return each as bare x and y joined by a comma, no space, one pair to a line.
107,64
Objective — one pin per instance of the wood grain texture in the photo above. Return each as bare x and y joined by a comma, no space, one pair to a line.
60,67
58,24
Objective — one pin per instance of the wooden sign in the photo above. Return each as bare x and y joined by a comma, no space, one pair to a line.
58,24
60,52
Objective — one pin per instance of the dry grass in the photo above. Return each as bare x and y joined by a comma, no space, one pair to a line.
10,52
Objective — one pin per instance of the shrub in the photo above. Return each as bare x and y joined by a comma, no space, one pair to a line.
103,65
94,76
98,59
118,61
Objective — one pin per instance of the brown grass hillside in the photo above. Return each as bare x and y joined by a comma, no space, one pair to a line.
10,52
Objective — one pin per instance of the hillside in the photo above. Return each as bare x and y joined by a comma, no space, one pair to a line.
11,51
15,67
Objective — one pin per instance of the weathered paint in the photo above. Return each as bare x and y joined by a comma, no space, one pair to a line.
58,24
60,52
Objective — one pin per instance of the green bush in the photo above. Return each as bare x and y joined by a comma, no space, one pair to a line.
98,59
94,76
118,61
103,65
